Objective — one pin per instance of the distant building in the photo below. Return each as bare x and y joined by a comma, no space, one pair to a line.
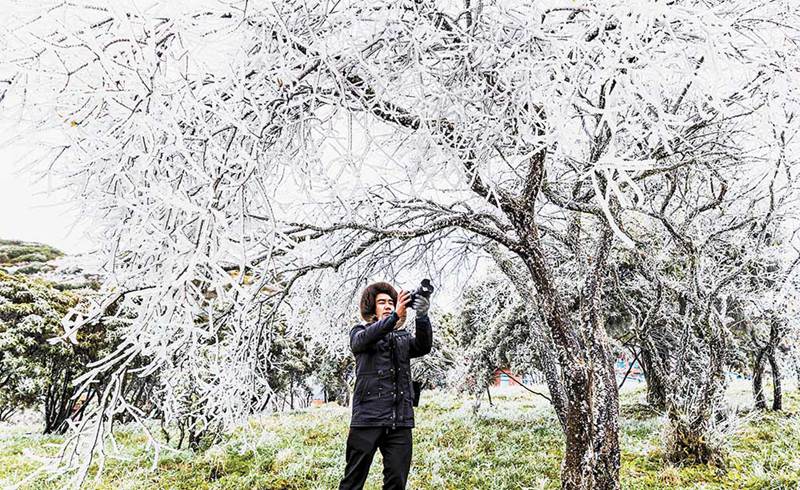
626,364
506,377
317,395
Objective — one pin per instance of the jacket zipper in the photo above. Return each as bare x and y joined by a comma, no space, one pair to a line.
394,381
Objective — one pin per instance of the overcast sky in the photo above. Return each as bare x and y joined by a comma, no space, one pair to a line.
31,213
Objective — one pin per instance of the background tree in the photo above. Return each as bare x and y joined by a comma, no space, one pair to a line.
433,369
37,371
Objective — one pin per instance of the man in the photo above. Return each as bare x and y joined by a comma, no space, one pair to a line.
383,415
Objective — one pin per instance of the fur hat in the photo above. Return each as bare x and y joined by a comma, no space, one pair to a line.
371,292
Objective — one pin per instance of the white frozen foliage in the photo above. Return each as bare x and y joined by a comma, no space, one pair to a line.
229,153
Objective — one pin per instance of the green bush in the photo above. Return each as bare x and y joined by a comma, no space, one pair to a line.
36,370
16,252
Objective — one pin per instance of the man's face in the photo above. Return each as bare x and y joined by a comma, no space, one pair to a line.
384,305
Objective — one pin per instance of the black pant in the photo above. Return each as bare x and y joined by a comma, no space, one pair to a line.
395,446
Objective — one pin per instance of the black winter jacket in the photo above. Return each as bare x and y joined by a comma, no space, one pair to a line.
383,393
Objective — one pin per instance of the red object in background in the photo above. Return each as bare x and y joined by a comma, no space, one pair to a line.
504,377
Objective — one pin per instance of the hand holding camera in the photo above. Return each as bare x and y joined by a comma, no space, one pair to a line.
424,290
420,299
403,300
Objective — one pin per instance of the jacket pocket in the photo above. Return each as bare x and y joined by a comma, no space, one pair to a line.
371,389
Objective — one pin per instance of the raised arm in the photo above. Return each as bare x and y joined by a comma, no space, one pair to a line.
361,337
423,339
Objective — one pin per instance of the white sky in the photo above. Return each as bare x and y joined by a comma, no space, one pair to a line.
31,213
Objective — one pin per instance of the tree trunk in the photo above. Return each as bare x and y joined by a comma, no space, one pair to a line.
689,424
777,389
592,455
656,392
291,393
603,422
6,412
797,372
758,381
552,376
688,443
58,403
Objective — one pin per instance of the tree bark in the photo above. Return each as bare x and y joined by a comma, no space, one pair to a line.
776,332
656,391
758,381
767,352
690,424
58,403
291,393
688,444
592,454
6,412
777,389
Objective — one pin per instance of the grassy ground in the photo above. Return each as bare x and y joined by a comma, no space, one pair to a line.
514,445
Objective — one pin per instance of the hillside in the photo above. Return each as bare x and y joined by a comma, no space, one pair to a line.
74,272
26,257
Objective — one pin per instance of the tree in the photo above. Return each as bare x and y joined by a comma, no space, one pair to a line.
334,370
689,303
37,371
505,123
499,329
770,325
432,370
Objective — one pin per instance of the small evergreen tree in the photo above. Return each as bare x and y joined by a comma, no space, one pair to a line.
37,369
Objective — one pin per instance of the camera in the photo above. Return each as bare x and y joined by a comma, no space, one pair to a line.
425,290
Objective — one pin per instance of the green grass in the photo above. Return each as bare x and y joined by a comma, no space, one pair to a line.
514,445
